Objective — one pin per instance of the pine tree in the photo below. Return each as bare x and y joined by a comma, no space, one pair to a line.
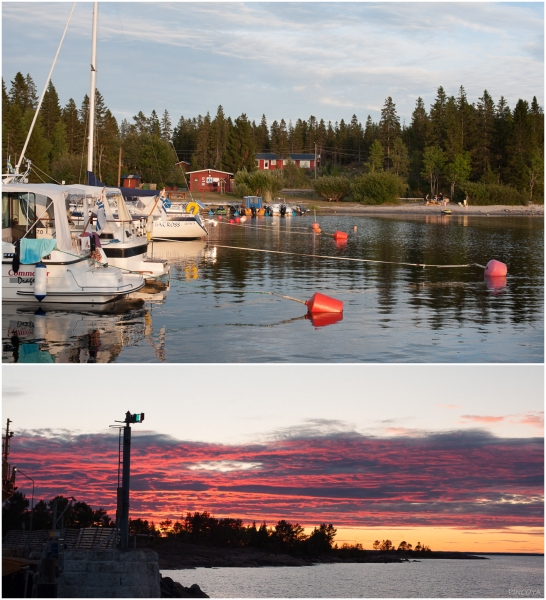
74,128
240,151
154,126
437,120
166,126
389,127
485,121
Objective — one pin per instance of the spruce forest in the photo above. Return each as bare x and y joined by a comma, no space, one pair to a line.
485,149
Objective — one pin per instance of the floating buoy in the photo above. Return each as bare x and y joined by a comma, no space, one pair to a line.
319,303
237,219
495,268
315,225
243,219
40,281
340,235
219,217
355,228
323,319
231,221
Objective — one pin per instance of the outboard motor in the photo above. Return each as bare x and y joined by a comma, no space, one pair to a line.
253,211
283,210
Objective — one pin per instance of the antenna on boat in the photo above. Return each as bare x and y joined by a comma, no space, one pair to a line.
91,137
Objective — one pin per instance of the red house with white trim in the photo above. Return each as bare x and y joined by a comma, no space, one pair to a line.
210,180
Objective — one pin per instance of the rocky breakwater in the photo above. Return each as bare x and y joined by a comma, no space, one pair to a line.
173,589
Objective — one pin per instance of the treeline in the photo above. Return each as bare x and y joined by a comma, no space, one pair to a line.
485,143
388,546
196,528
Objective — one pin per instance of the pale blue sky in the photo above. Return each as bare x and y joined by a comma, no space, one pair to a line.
252,403
284,60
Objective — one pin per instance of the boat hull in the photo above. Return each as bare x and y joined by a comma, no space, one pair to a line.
190,228
74,282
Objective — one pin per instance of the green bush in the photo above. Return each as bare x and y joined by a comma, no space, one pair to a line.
484,194
378,188
332,187
258,183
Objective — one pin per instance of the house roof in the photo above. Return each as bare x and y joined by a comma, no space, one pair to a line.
181,162
266,156
209,171
130,176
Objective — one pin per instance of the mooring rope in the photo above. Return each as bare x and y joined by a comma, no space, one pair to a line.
362,260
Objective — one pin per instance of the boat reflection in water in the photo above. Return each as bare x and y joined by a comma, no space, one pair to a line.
86,333
185,256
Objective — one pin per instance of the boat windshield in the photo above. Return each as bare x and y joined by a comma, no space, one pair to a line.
18,215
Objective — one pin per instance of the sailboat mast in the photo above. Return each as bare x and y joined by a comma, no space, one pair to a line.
91,137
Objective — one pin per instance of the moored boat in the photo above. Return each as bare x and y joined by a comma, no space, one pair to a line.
44,262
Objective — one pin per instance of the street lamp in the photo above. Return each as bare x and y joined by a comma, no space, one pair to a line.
16,470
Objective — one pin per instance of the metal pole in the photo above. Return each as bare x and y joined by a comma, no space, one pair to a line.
32,500
91,137
119,167
315,160
126,474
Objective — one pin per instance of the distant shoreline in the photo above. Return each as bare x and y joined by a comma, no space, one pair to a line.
179,556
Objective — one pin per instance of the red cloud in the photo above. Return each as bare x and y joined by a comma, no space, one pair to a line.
460,479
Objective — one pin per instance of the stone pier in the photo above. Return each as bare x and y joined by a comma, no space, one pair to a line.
112,573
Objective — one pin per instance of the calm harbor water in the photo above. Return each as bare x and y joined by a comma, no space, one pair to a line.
224,304
498,577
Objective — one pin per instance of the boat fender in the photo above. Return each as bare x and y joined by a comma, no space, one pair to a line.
192,208
340,236
40,281
495,268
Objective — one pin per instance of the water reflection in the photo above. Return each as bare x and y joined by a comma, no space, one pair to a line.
219,306
83,334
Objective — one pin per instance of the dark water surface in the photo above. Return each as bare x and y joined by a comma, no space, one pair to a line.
224,304
498,577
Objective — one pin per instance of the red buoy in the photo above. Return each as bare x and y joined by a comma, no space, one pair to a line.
495,268
231,221
323,319
340,235
237,219
319,303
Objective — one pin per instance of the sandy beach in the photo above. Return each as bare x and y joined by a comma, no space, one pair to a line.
534,210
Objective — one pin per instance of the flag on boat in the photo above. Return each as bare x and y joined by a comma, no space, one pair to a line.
165,204
101,213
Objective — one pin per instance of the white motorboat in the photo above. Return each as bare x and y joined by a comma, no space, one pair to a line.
184,223
43,261
122,237
280,208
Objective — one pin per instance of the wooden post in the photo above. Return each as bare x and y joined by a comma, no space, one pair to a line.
119,167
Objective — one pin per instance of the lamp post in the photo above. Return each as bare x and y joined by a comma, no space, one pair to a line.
17,470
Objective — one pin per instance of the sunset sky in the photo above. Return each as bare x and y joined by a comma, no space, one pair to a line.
451,456
283,59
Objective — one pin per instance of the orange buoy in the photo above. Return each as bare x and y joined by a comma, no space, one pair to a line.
340,235
323,319
315,225
319,303
495,268
317,230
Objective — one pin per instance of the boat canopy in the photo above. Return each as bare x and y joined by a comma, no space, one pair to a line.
252,201
49,194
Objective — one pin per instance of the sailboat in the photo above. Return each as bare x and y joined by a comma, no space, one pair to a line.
43,261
